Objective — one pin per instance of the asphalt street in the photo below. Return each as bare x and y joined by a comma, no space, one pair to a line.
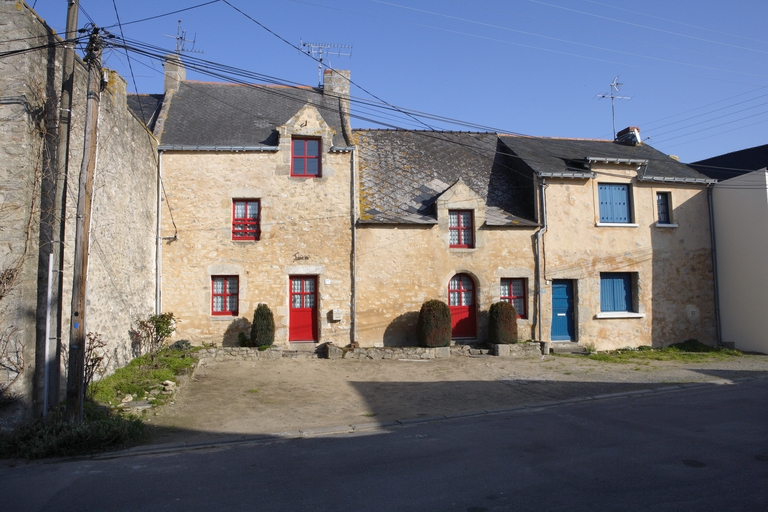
701,448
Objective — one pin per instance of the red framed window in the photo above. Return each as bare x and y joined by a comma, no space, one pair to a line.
305,158
461,291
224,294
246,220
460,228
303,292
514,292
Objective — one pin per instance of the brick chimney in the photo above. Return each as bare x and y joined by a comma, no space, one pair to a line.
175,73
629,135
336,85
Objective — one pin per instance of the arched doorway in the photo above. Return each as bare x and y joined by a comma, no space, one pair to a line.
461,302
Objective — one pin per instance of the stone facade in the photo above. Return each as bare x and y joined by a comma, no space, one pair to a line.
400,267
121,283
306,226
671,265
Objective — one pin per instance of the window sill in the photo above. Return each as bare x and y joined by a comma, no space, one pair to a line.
659,225
227,318
620,314
616,225
462,249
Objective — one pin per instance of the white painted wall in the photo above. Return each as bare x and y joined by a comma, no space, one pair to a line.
741,230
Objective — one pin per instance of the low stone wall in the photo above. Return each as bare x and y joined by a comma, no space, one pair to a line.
518,350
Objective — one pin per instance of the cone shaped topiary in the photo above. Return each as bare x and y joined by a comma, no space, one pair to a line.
262,327
433,328
502,323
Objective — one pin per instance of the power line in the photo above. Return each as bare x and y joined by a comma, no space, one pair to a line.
557,39
645,26
168,13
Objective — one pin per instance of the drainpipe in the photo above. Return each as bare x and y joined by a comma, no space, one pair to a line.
353,219
159,246
539,234
714,263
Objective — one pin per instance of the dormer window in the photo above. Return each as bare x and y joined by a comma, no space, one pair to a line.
305,157
461,229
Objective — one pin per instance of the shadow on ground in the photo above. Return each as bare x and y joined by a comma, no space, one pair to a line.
244,414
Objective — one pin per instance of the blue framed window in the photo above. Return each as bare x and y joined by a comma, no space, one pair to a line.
615,291
614,203
662,207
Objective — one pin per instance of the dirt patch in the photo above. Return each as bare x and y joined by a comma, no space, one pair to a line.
230,398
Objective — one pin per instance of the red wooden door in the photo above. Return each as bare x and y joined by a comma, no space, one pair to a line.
461,302
303,316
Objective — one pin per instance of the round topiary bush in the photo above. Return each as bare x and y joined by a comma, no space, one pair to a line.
502,323
433,328
262,327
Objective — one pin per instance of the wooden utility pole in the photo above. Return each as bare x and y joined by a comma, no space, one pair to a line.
75,384
53,362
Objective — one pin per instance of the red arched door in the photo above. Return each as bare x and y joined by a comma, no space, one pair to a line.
461,302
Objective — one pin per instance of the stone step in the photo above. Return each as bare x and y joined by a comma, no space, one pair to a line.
567,347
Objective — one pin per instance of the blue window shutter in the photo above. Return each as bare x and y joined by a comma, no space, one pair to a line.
614,203
606,294
616,291
604,196
620,203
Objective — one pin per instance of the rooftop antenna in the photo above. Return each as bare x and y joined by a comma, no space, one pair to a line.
181,41
319,51
613,90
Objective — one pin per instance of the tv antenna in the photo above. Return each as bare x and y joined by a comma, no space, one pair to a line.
319,51
613,95
181,41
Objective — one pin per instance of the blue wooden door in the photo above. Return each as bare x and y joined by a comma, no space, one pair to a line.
562,310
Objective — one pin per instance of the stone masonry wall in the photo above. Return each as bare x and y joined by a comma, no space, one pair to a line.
671,266
305,230
401,267
121,274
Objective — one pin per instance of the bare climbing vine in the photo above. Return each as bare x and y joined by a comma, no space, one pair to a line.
11,360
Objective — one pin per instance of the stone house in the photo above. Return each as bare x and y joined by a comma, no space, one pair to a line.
258,183
345,233
625,251
38,205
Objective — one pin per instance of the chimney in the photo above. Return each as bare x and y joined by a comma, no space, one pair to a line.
175,73
336,84
629,135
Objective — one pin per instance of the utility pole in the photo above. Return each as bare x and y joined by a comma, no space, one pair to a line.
53,362
75,384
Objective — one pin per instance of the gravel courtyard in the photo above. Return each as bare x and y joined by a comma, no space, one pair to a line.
225,400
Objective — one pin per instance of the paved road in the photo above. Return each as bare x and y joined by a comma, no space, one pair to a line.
702,448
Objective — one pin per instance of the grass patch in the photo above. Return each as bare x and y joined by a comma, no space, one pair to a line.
687,351
54,436
142,377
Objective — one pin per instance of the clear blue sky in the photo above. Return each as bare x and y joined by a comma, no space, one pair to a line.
697,71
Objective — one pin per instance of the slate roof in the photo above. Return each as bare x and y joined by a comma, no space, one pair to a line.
570,156
229,115
146,107
402,173
733,164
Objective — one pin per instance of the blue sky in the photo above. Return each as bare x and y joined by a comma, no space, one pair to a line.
696,71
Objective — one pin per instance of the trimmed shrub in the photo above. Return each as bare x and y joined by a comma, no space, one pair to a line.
262,328
502,323
433,328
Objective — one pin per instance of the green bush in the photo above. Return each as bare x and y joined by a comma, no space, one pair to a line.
502,323
54,436
141,375
433,328
150,334
262,328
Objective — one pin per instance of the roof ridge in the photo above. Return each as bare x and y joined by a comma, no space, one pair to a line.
276,86
553,138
